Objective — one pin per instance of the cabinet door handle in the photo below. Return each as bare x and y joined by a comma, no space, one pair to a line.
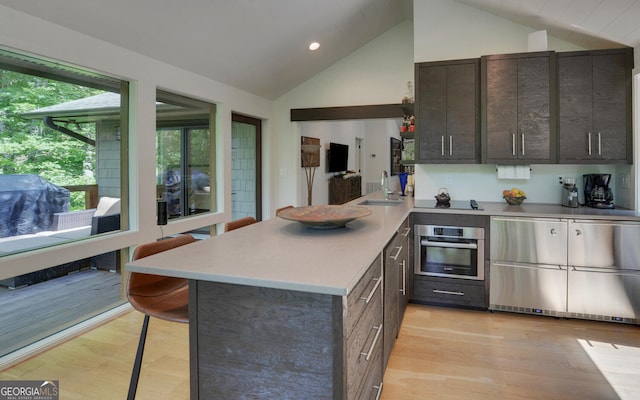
368,298
379,391
403,290
395,257
589,142
450,145
448,292
442,145
599,144
373,344
523,144
513,144
406,232
578,232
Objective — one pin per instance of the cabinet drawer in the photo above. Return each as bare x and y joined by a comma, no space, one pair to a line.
449,292
362,295
364,346
372,385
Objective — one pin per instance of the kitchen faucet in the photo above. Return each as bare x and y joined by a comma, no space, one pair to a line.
385,184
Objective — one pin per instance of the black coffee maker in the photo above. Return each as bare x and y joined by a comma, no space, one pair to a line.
597,193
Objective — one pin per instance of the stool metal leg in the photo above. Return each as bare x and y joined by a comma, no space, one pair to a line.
135,375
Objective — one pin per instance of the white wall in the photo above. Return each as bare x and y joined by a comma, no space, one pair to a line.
25,33
375,133
447,30
377,73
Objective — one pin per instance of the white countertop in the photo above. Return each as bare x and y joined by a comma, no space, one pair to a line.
282,254
540,210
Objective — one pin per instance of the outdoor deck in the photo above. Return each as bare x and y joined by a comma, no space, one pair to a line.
34,312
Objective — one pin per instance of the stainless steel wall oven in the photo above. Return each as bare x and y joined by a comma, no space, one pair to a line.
449,251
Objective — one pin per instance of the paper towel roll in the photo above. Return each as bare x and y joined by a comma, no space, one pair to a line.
514,172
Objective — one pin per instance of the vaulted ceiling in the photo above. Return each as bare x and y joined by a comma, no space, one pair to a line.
260,46
587,23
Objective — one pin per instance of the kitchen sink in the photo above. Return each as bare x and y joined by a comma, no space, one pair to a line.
380,202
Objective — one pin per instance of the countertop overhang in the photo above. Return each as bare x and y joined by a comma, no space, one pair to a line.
282,254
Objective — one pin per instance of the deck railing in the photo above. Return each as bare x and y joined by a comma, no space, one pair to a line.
90,194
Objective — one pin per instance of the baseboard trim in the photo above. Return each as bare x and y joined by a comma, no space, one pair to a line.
49,342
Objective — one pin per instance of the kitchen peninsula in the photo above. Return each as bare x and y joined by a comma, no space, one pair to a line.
279,310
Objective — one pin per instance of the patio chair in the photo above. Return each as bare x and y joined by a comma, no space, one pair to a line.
107,216
156,296
106,219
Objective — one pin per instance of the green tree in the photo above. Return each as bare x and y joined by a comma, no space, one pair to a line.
29,147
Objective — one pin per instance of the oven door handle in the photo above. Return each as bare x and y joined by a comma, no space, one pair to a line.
473,246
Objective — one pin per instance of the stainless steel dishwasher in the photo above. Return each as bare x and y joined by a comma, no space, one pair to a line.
604,270
528,265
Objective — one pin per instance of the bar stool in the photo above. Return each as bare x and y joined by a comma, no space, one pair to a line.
159,296
239,223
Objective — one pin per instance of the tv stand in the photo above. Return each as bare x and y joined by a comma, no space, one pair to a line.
343,190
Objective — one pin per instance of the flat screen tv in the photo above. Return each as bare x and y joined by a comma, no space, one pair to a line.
337,157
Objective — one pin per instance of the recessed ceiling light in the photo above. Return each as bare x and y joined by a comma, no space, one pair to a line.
314,46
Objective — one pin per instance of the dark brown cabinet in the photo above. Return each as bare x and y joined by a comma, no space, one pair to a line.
264,343
595,106
392,254
397,280
518,96
342,190
447,111
444,291
364,336
406,272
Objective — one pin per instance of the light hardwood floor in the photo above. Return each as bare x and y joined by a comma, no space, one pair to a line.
460,354
441,353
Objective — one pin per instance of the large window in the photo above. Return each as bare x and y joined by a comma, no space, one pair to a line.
61,135
184,151
63,177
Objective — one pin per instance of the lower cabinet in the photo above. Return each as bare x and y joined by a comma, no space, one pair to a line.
448,291
602,294
372,387
537,289
406,266
263,343
364,330
396,282
343,190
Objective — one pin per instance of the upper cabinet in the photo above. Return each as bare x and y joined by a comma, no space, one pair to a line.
518,98
595,106
447,111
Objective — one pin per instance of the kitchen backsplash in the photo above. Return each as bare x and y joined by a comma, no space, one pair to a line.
480,182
